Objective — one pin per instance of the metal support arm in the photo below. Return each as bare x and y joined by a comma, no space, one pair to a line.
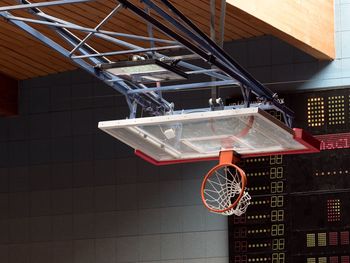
161,15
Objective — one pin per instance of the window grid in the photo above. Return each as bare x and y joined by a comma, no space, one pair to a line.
336,110
344,259
310,240
322,239
333,238
344,238
333,259
315,112
333,210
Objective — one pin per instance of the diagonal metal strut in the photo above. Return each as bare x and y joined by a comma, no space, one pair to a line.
162,16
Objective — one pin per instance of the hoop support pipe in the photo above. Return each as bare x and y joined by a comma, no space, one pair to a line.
228,157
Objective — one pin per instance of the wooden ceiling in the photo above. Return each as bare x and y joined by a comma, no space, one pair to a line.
22,57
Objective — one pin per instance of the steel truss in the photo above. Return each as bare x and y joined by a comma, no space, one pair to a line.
221,68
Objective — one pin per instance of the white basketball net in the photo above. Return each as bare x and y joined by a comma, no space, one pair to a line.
222,189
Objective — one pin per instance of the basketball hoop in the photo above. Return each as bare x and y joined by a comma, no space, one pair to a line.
223,188
201,136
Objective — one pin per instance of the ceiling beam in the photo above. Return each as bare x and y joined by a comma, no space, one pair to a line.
307,25
8,96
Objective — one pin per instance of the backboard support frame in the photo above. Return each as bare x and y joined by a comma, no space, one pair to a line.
179,32
183,33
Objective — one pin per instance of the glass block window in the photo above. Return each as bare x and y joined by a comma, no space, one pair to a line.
333,210
344,238
322,239
315,112
333,238
310,240
336,110
333,259
344,259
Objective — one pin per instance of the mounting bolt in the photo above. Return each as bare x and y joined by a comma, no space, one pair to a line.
137,57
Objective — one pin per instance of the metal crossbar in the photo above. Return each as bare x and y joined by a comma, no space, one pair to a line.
180,33
44,4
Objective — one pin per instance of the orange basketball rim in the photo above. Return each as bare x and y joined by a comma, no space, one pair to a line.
223,188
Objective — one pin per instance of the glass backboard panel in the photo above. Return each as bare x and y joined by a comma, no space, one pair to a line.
204,134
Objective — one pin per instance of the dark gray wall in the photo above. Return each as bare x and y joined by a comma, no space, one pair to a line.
71,193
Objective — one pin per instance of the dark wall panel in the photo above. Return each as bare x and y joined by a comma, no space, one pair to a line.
8,96
299,210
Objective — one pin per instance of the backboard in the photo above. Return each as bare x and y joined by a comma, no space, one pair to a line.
202,135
